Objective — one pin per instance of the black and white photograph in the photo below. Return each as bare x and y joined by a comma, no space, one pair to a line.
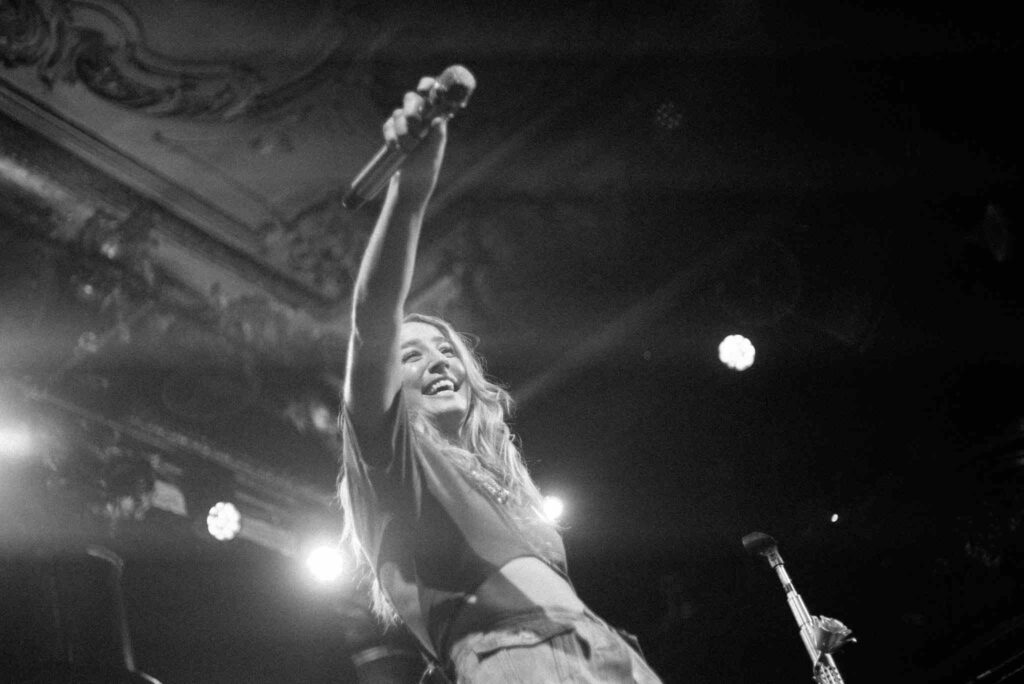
492,342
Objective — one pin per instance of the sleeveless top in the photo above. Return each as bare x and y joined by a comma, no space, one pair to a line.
445,527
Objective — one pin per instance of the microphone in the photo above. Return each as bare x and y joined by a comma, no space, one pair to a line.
761,544
822,636
448,95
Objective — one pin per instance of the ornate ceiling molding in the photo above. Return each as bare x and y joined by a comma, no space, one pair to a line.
120,242
103,45
310,247
111,49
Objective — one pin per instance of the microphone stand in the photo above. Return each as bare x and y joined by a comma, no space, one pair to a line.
822,636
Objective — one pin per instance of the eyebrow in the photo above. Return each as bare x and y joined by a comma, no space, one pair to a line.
437,339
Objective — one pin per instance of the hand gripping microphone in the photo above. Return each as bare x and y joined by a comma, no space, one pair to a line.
448,95
822,636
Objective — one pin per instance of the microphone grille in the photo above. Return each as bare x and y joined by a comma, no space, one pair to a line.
456,83
759,543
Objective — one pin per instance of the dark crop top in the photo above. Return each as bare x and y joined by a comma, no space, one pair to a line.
445,528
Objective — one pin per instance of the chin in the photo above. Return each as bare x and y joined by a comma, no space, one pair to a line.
449,415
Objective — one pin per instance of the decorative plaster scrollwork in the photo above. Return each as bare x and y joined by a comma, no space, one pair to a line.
26,34
128,241
312,247
252,328
101,45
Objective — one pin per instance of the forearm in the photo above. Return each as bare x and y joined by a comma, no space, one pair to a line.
386,270
378,302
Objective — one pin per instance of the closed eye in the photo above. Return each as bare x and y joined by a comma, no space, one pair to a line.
410,356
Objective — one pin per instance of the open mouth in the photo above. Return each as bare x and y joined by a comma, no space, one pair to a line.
440,385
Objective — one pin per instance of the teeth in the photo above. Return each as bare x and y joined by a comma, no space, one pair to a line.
440,385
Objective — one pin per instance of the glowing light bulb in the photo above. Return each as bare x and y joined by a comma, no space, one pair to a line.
14,442
553,507
224,521
736,352
326,563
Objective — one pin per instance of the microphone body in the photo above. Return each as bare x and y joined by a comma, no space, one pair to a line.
448,95
813,631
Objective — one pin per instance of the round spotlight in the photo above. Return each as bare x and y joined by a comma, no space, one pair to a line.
323,419
224,521
326,563
736,352
15,442
553,508
668,117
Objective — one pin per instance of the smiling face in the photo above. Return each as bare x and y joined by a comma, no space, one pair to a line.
434,377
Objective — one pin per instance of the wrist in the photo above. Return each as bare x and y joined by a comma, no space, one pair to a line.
410,196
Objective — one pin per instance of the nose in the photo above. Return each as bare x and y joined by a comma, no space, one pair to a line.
438,362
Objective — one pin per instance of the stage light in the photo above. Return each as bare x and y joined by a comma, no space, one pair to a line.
668,117
326,563
736,352
15,442
553,508
322,417
224,521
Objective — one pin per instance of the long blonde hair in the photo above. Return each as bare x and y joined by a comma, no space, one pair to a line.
485,439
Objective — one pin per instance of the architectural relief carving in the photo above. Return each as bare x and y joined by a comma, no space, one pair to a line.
26,34
126,240
321,246
258,330
102,45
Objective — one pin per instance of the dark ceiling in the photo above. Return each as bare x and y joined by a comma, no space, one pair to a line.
629,183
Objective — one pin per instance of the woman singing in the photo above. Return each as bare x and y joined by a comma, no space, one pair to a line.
438,501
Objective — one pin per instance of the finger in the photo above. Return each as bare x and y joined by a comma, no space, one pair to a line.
390,128
401,123
412,105
425,84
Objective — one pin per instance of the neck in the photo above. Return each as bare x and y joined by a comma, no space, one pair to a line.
453,427
448,430
452,433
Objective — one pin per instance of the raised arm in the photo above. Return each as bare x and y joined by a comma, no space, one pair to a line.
373,374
